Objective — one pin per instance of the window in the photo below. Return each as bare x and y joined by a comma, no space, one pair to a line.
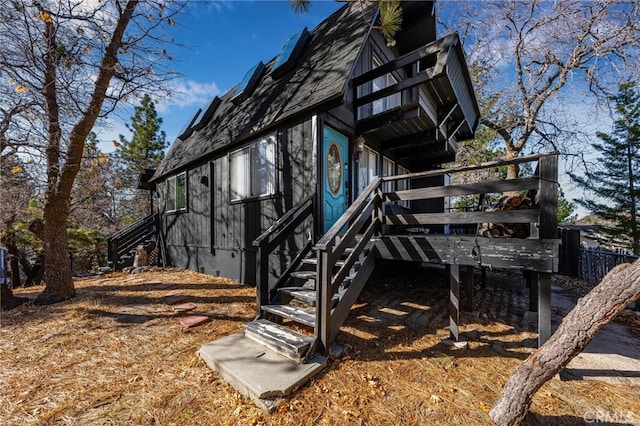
188,128
248,83
368,168
177,193
381,82
207,114
288,57
252,170
388,169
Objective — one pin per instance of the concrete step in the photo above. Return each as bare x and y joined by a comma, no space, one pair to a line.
299,314
280,339
257,372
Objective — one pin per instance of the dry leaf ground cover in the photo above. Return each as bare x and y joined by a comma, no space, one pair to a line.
116,354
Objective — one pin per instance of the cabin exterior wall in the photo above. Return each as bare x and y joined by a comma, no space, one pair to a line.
214,235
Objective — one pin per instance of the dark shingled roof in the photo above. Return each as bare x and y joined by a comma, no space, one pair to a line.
321,75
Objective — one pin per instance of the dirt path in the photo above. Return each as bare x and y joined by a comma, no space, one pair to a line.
613,356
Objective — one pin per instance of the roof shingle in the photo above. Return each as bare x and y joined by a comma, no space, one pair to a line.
321,75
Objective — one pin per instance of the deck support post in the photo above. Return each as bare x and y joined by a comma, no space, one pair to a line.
262,284
454,302
323,300
544,307
531,279
548,200
469,285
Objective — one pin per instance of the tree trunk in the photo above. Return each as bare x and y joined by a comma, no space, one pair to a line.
619,288
513,170
58,281
12,251
8,300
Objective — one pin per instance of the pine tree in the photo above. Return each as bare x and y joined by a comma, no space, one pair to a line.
615,180
146,147
144,150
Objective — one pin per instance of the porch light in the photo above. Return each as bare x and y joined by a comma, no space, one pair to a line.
359,147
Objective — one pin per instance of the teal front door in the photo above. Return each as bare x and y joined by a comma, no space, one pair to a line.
335,158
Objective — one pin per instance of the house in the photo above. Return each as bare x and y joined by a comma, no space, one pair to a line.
328,158
252,155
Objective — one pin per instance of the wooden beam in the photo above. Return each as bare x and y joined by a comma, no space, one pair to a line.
407,83
406,112
341,311
454,302
486,165
548,202
469,286
548,197
501,216
544,307
431,163
323,302
435,47
505,253
531,279
427,137
464,189
447,111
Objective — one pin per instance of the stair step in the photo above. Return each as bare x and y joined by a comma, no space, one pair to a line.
299,314
314,261
278,338
306,275
306,295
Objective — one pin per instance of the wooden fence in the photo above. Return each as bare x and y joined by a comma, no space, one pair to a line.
595,263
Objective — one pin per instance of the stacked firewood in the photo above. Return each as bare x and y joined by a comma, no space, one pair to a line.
513,230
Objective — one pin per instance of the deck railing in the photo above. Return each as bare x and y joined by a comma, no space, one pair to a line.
366,217
363,219
124,241
270,239
544,184
441,64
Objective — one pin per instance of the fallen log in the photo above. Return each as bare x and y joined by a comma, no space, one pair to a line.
619,288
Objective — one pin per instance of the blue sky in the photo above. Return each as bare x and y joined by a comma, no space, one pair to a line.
222,40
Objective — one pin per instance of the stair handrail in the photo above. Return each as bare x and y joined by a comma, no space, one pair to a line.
364,217
271,238
124,240
150,218
273,232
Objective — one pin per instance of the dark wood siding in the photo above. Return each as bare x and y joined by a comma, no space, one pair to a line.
215,236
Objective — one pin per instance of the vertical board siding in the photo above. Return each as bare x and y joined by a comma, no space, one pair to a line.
198,212
216,236
191,228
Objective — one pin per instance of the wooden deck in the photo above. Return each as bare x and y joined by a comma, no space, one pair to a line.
323,283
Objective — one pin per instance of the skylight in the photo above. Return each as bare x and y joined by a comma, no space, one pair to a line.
207,114
287,59
188,129
248,83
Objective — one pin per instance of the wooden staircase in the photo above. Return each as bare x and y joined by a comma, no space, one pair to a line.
300,315
121,246
288,324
